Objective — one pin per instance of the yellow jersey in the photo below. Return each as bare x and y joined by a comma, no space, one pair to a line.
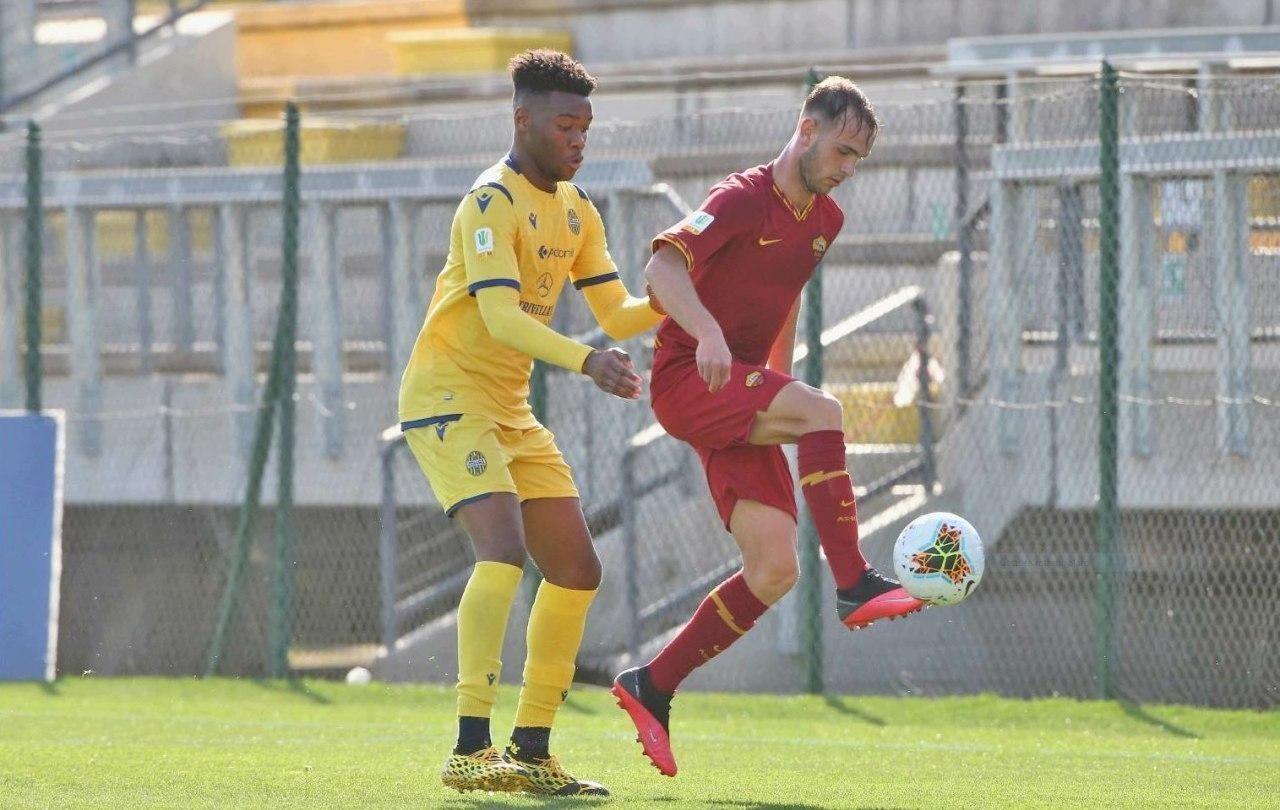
506,232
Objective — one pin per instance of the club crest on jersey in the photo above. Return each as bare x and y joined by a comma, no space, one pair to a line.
819,246
483,199
484,240
476,463
698,222
754,379
533,220
575,224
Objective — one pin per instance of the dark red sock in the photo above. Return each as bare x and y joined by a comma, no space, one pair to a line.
828,490
724,616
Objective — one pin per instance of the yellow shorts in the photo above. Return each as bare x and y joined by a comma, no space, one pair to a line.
467,457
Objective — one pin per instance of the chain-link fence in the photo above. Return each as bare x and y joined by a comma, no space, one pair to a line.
1171,605
982,198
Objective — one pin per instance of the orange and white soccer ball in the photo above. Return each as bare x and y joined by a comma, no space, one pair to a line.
938,558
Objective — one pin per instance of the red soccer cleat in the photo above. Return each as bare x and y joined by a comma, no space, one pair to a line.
650,711
874,598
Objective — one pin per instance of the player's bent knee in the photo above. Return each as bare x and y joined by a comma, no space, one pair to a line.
583,575
824,412
513,554
588,575
772,580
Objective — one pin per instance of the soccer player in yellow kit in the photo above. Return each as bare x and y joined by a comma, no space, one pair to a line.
520,233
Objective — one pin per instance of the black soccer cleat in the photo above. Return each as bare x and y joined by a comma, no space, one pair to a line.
874,597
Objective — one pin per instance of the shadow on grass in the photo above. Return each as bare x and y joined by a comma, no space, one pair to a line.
528,800
777,805
295,686
50,688
577,707
838,703
1138,713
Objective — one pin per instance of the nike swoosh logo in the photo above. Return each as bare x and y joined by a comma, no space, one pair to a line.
846,503
763,242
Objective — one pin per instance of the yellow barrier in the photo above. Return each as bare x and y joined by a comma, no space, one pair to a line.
115,234
53,324
870,417
331,39
468,50
259,142
1264,196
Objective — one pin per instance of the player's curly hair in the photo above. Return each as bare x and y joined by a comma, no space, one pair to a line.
545,71
835,97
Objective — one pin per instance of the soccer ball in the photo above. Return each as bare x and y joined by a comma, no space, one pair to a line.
938,558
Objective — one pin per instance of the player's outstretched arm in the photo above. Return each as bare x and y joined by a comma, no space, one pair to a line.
610,369
512,326
620,314
670,283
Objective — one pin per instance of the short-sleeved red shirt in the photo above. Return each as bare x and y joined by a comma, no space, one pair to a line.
750,252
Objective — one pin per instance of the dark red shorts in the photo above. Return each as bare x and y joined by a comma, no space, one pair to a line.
716,425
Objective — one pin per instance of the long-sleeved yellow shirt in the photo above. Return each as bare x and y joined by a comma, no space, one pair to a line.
512,247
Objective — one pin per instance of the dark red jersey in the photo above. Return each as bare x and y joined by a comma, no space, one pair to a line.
750,252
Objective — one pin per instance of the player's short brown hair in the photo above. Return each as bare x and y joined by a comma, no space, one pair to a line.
835,97
545,71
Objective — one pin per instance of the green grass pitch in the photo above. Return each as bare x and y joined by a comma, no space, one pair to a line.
223,743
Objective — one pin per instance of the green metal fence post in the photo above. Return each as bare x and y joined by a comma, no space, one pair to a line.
34,252
271,396
283,571
1109,360
244,526
810,561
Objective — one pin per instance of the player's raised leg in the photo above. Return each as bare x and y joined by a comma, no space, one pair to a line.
767,539
559,542
813,420
493,523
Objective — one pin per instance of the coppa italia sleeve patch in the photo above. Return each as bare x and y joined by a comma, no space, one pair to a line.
484,240
698,222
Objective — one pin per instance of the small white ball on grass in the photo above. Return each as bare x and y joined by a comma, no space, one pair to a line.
359,676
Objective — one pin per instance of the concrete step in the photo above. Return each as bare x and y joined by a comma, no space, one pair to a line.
330,38
621,79
468,51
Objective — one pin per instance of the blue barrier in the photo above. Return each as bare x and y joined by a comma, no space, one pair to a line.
30,544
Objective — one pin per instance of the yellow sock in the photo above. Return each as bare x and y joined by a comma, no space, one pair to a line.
482,624
555,631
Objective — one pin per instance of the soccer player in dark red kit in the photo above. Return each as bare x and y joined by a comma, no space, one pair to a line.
729,277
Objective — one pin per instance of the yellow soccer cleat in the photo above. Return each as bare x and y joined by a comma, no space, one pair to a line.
486,769
547,777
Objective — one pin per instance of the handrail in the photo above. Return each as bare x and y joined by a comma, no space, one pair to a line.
125,44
